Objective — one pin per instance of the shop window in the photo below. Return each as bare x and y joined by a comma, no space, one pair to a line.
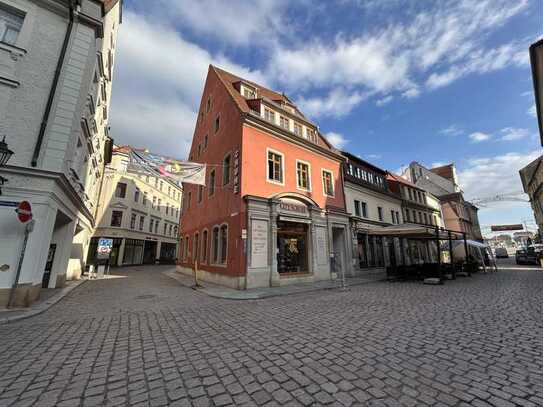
226,169
303,175
275,167
357,208
133,221
11,23
223,244
204,246
120,191
116,218
328,183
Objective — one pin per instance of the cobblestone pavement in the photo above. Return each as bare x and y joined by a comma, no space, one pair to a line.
144,340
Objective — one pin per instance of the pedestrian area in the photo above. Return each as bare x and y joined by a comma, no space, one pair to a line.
142,339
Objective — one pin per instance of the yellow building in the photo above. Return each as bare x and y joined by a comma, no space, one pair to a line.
140,211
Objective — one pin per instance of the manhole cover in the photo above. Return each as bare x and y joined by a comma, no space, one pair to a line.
145,297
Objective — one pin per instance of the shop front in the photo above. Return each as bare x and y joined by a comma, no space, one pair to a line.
291,240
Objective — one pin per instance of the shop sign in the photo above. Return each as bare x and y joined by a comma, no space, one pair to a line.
104,248
259,243
293,207
503,228
236,171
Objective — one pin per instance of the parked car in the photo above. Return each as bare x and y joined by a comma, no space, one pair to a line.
527,256
501,253
537,247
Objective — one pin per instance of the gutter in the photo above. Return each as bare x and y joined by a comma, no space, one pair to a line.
54,86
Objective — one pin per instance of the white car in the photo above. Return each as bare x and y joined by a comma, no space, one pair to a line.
501,253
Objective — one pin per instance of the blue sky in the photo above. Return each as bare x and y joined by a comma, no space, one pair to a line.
393,81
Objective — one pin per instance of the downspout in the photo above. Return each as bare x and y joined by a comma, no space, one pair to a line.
54,85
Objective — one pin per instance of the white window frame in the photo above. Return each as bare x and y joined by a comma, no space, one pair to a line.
323,170
309,188
272,181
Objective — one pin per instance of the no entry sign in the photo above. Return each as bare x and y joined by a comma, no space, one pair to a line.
24,211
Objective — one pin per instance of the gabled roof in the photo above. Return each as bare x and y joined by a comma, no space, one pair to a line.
229,79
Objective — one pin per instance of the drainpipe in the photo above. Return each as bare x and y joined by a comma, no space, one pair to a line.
54,85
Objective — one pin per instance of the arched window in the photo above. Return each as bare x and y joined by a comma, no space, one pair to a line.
196,247
186,253
224,244
204,246
215,245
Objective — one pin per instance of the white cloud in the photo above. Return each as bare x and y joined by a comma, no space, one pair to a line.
384,101
488,176
512,134
158,82
436,47
452,130
437,164
478,137
480,62
336,139
374,156
532,111
237,22
337,103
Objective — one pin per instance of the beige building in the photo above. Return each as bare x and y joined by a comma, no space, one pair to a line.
56,70
140,211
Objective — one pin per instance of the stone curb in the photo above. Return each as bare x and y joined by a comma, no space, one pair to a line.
44,306
242,295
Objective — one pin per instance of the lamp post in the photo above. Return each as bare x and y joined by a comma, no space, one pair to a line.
5,155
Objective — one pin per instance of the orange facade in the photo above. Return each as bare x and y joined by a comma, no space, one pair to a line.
226,128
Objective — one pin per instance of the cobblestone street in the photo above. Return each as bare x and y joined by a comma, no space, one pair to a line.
142,339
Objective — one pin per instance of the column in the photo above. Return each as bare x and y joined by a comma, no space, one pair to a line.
274,274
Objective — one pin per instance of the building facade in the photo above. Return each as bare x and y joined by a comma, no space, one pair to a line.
442,182
370,204
56,67
273,210
418,205
532,183
140,211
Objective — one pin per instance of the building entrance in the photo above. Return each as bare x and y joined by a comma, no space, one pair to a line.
292,243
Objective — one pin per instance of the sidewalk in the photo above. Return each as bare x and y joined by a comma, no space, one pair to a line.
218,291
48,298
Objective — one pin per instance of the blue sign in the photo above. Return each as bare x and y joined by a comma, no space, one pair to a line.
11,204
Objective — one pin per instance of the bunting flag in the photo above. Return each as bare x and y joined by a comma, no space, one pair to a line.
175,170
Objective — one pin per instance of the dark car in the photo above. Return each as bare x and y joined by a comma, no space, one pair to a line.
501,253
524,256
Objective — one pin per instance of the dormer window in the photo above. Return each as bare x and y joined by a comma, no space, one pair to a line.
269,115
284,122
297,129
249,93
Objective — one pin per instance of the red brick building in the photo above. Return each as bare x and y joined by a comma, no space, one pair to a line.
273,210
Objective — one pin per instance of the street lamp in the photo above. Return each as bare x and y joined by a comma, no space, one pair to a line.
5,155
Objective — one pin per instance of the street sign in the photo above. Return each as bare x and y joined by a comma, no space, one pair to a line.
104,248
24,211
504,228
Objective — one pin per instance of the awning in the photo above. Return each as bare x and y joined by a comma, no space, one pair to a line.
413,231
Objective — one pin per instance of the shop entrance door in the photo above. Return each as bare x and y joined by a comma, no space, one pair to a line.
292,248
149,252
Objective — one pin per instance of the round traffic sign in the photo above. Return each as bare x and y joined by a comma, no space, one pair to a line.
24,211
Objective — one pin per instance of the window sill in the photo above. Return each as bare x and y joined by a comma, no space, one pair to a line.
12,48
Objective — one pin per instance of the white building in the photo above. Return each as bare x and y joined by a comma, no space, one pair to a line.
56,65
371,205
140,211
